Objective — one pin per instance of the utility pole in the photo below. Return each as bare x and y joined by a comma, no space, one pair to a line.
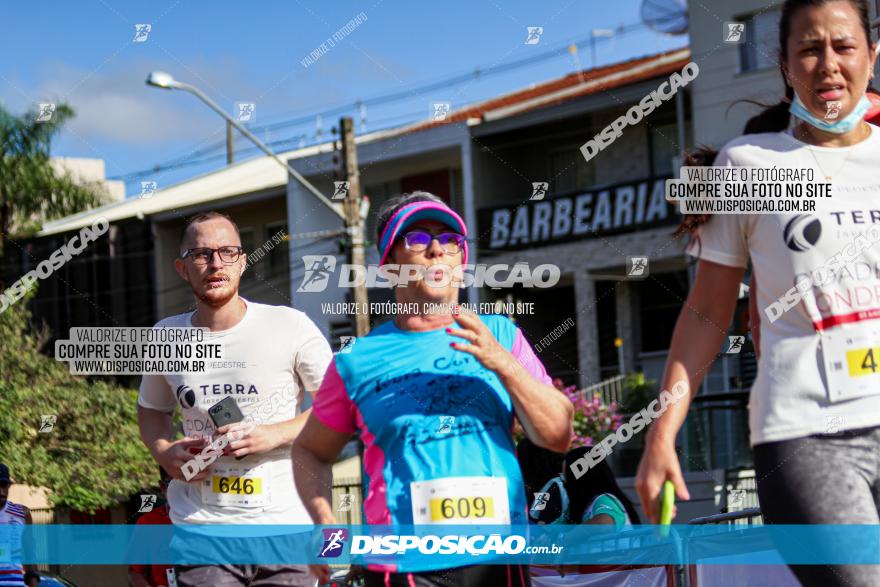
354,225
230,152
593,34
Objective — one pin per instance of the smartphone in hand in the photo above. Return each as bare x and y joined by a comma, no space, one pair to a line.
226,412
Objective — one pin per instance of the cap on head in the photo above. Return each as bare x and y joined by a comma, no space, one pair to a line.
4,473
405,214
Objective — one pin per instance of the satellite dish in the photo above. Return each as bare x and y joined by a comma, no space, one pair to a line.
666,16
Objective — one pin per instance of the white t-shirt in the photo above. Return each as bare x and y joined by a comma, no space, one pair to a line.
284,353
790,397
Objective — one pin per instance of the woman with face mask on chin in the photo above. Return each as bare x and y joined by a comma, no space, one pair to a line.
814,411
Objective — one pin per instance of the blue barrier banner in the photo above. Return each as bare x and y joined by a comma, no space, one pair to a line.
441,546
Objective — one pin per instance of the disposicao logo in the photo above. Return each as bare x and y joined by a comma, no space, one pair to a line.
334,542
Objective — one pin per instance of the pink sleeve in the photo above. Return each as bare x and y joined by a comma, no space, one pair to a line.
332,407
523,352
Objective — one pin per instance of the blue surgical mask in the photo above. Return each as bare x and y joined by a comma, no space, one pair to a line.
840,126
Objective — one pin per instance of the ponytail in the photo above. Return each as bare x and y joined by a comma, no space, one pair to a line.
702,157
773,118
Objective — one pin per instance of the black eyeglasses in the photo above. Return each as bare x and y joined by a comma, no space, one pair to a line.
419,240
203,255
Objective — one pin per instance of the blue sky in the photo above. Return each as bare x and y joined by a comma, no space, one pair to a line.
83,53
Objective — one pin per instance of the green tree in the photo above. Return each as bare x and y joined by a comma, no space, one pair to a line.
93,457
31,189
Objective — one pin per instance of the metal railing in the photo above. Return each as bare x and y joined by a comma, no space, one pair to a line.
740,491
731,518
43,515
610,390
716,433
348,509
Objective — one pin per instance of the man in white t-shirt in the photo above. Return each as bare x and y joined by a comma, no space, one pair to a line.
271,354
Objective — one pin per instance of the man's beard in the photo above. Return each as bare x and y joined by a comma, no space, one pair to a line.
215,301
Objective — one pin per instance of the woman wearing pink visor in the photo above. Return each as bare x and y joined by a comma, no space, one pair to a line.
434,396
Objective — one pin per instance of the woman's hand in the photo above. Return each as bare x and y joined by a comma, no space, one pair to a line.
659,463
483,344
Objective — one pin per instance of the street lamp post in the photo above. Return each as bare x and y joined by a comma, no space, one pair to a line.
160,79
349,214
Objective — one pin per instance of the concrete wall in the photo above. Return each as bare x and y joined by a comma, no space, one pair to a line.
35,498
720,84
588,331
90,170
628,157
306,213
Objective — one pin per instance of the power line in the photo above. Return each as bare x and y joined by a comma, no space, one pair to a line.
453,80
183,162
477,73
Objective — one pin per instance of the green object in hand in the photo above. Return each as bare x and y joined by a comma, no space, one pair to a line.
667,503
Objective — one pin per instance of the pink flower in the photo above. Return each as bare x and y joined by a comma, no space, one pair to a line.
593,418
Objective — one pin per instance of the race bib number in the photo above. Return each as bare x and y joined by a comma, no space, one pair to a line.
851,353
236,485
460,500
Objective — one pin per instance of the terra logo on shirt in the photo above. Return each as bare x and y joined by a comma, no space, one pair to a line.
186,396
229,389
802,232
